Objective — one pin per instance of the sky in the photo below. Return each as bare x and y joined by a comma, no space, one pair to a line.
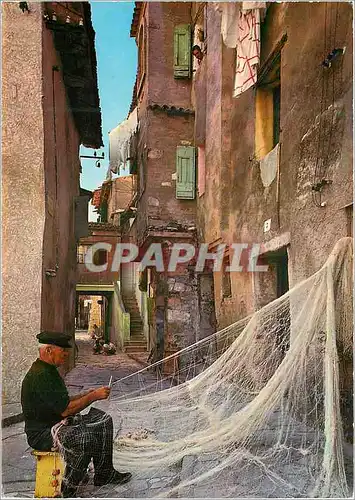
116,55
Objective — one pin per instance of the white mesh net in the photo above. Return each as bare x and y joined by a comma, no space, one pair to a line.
254,410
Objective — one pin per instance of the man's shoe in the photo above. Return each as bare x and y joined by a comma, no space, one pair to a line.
114,478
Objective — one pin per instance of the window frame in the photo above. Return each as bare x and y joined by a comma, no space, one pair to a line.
268,102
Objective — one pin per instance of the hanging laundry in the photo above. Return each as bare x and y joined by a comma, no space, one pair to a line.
120,140
248,46
230,23
262,6
96,198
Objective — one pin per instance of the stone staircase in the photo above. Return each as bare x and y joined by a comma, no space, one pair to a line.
137,342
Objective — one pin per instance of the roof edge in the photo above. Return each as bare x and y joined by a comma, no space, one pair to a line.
135,18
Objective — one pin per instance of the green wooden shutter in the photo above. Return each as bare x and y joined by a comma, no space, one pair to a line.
182,51
186,175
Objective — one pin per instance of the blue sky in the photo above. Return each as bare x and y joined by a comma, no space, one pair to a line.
116,56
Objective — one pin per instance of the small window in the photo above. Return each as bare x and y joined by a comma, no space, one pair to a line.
349,220
103,211
226,280
142,56
81,252
268,108
100,257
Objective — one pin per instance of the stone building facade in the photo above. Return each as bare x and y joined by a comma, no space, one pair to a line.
164,162
292,195
49,65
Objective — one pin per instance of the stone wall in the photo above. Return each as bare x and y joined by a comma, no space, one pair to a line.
236,203
160,132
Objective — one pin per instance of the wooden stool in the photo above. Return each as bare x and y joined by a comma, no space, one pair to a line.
49,473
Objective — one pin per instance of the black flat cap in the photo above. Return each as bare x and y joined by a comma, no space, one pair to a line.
59,339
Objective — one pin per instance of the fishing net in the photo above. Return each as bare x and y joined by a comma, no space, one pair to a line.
255,409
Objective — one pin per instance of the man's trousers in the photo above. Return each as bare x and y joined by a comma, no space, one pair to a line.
86,437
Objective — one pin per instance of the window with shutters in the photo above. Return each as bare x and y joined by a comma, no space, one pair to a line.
268,103
182,51
185,173
103,212
226,279
81,254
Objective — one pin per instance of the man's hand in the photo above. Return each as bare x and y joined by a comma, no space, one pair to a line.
80,402
102,393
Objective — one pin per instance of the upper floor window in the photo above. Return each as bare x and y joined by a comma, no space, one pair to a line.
268,102
226,279
81,253
100,257
268,109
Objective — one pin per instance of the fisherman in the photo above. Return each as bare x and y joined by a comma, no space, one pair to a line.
53,419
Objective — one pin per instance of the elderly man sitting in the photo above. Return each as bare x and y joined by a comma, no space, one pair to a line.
53,419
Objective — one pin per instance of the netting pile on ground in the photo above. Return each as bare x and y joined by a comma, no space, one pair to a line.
262,419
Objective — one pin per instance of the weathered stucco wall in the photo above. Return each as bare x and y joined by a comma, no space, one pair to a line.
165,133
162,87
236,204
41,179
22,191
